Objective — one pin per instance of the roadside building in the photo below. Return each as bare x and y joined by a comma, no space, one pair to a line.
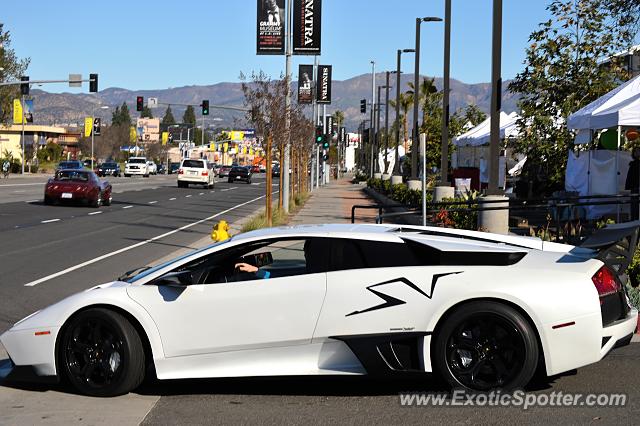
34,135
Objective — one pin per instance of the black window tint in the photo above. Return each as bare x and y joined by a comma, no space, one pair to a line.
358,254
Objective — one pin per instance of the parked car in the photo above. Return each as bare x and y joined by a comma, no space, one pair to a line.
263,168
162,169
136,166
173,168
70,164
224,171
195,171
77,185
109,168
240,173
153,169
87,164
484,311
275,171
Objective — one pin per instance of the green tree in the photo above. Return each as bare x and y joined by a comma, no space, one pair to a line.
431,105
189,116
406,103
11,68
121,116
472,114
146,112
168,118
562,74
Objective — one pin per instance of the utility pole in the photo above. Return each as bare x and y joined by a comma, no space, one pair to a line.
496,99
386,124
373,103
284,168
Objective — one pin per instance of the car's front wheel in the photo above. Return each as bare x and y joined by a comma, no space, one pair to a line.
101,353
486,345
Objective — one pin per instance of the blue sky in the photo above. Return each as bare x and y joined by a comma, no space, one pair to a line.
145,44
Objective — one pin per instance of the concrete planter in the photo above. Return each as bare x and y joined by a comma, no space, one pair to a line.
386,176
415,184
395,180
377,175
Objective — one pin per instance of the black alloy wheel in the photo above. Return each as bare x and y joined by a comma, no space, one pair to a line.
484,346
101,353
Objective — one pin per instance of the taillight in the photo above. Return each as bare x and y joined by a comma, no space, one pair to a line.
205,173
605,282
180,171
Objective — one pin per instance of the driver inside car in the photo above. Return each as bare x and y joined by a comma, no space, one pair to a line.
259,273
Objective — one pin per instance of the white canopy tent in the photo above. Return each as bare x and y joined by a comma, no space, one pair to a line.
603,172
618,108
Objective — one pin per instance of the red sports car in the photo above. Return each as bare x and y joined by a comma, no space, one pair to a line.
77,185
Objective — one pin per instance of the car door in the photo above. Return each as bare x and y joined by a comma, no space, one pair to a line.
376,287
247,313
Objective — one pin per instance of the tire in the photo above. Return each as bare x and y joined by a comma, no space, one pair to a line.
230,180
249,181
47,200
126,175
147,175
182,184
100,344
485,345
108,201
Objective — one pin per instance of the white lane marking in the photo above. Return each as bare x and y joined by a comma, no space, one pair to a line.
226,189
152,202
19,192
93,213
32,201
141,243
231,189
255,183
50,220
202,193
22,184
172,198
187,196
127,207
211,192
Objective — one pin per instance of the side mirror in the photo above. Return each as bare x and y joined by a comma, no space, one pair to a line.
175,278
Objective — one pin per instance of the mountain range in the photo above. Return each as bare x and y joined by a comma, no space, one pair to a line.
70,109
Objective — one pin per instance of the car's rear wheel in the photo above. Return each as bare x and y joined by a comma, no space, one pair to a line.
101,353
107,202
486,345
48,200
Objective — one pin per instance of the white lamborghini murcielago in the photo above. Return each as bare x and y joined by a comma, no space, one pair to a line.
483,311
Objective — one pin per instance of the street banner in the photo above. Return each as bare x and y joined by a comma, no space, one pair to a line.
270,27
28,111
165,138
97,124
306,27
343,135
133,134
88,126
305,84
17,111
323,92
329,125
225,146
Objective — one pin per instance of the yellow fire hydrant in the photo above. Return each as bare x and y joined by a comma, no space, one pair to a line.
220,231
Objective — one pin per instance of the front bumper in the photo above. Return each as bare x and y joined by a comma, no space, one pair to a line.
34,352
135,172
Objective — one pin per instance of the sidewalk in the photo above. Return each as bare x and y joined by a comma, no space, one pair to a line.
332,204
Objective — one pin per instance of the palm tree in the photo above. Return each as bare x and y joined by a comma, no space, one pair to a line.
406,103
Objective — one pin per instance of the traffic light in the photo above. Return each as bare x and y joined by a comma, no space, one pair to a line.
319,135
363,106
325,143
205,107
325,157
24,87
139,103
93,83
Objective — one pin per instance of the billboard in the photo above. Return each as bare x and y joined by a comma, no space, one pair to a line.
323,94
306,27
270,27
305,84
148,129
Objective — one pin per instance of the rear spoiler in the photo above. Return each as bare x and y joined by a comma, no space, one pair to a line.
616,245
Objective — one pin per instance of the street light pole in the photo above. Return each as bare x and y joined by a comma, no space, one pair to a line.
23,154
396,165
444,160
373,106
496,99
416,97
386,124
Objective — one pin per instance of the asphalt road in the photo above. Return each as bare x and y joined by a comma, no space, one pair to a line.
148,219
34,249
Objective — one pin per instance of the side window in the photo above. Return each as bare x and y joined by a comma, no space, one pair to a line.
358,254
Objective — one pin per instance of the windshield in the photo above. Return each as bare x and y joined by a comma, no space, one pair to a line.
193,163
109,165
139,273
137,160
68,165
72,175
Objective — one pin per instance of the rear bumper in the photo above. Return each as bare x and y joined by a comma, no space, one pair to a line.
193,179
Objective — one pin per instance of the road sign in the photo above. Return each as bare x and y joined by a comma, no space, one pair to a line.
96,126
152,102
75,80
